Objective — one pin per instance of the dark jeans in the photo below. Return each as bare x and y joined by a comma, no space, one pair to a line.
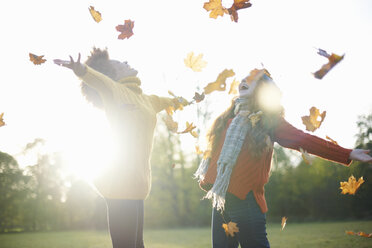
125,218
250,221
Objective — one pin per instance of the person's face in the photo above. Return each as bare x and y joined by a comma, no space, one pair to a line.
122,69
246,90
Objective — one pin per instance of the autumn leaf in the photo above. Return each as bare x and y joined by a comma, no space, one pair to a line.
195,62
237,5
333,141
311,122
230,228
284,222
126,29
198,151
173,166
95,14
363,234
171,125
220,83
37,60
255,117
350,233
198,97
234,87
216,8
2,123
351,186
333,60
194,134
306,157
189,128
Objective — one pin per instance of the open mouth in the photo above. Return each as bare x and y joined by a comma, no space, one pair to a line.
244,86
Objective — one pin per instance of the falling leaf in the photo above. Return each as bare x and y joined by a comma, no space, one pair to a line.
350,233
230,228
2,123
363,234
234,87
220,83
198,151
126,29
237,5
255,117
173,166
189,127
306,157
311,122
216,8
333,141
333,60
171,125
37,60
198,97
95,14
351,186
284,222
194,134
195,62
170,110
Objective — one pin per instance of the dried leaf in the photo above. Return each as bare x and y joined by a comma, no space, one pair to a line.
311,122
194,134
351,186
230,228
234,87
189,127
126,29
363,234
37,60
220,83
333,60
171,125
173,166
170,110
2,123
350,233
198,97
195,62
237,5
333,141
216,8
255,117
306,157
198,151
97,17
284,222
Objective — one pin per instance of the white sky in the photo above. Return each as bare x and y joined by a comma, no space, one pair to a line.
45,102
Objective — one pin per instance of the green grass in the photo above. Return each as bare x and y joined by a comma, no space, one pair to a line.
304,235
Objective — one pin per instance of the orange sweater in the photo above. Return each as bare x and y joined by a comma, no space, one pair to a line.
251,174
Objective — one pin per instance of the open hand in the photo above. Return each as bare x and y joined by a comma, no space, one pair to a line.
78,68
361,155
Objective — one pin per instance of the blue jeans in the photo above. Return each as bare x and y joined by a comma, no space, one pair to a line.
250,221
125,218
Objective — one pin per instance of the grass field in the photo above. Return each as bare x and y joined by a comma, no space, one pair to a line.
304,235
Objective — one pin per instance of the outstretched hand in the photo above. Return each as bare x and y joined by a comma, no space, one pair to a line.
78,68
361,155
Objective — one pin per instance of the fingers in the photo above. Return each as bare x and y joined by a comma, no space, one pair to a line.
71,60
78,60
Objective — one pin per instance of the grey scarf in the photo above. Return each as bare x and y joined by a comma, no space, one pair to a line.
232,145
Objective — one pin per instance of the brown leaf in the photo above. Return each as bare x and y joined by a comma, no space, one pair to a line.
333,60
216,8
237,5
230,228
198,97
311,122
220,83
37,60
2,123
97,17
351,186
126,29
284,222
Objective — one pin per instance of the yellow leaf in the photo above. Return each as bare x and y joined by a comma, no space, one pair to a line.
306,157
230,228
2,123
220,83
333,141
194,134
234,87
216,8
195,62
171,125
351,186
95,14
284,222
189,127
198,151
312,121
255,117
170,110
363,234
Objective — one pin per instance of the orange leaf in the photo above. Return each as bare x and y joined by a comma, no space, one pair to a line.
237,5
351,186
37,60
363,234
311,122
126,29
95,14
333,60
216,8
306,157
350,233
171,125
220,83
333,141
234,87
284,222
189,127
198,97
2,123
230,228
195,62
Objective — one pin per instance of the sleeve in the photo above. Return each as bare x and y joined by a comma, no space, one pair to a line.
107,87
290,137
161,103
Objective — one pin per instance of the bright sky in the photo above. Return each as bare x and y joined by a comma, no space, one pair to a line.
44,101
